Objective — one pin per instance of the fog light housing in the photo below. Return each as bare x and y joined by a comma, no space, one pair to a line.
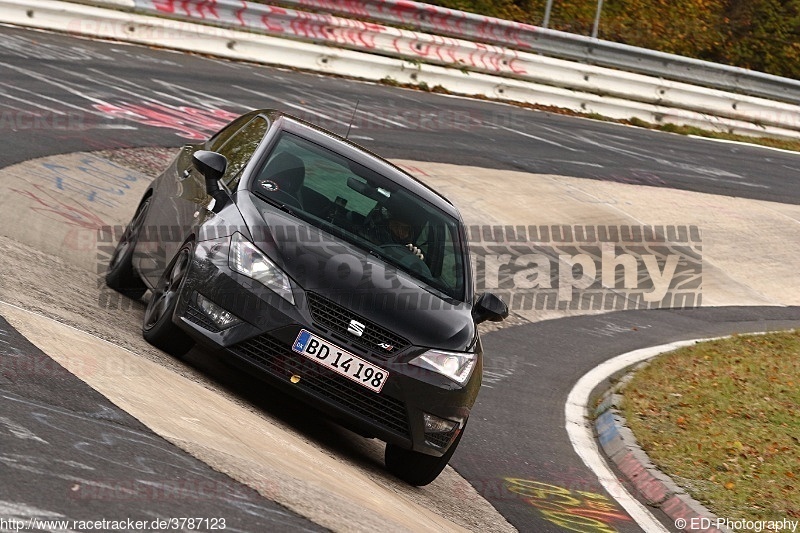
219,316
439,432
434,424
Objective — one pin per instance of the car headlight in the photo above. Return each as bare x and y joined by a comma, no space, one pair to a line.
455,365
246,259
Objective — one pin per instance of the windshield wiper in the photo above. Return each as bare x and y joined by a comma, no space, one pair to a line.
280,205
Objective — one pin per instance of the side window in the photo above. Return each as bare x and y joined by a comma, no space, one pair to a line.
240,148
219,138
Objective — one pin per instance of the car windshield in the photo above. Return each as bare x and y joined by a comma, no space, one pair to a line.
366,209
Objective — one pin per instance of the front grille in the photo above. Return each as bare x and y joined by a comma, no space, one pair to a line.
195,314
377,339
278,358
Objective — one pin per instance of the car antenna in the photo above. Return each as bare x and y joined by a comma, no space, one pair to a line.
346,135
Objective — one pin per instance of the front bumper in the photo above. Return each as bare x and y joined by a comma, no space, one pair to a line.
261,343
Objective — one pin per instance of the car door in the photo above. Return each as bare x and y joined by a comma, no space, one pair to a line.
179,194
238,150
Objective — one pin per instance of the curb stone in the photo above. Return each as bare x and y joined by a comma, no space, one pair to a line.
653,486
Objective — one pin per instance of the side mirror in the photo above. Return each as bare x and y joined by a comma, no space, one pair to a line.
489,307
211,165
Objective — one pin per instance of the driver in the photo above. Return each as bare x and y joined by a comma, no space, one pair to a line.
395,226
401,231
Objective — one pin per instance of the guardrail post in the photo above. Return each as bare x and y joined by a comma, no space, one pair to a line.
596,26
547,10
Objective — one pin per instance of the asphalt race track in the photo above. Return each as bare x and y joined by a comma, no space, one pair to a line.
69,453
60,95
116,95
520,429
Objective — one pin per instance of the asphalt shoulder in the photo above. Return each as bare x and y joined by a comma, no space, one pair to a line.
518,453
68,453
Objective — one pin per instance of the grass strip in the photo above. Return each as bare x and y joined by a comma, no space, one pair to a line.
722,418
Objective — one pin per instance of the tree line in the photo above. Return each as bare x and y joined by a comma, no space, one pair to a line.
762,35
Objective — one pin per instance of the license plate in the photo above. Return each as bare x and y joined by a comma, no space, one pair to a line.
340,361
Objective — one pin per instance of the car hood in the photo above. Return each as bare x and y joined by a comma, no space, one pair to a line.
363,283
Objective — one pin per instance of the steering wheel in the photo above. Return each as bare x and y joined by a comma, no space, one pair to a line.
394,245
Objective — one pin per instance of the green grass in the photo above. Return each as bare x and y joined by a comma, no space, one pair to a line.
723,419
784,144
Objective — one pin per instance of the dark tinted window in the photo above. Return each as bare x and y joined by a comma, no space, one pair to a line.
367,209
240,148
219,138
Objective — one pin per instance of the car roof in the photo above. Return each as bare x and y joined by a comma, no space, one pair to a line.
359,154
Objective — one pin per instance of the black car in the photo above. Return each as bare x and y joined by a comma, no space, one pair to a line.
322,268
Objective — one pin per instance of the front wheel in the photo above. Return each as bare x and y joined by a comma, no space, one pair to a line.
417,468
157,327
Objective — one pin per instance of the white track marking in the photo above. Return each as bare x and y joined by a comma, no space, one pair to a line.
295,106
34,104
20,431
582,163
349,105
541,139
51,99
61,84
583,440
744,143
199,96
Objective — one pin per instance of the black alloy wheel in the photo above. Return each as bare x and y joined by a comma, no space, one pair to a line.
157,327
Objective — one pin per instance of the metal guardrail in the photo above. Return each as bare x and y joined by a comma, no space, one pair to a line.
390,41
518,36
231,32
342,32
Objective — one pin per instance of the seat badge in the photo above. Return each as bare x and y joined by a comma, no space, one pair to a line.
356,328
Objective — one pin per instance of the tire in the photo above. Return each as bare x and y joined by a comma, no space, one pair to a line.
120,275
157,326
417,468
